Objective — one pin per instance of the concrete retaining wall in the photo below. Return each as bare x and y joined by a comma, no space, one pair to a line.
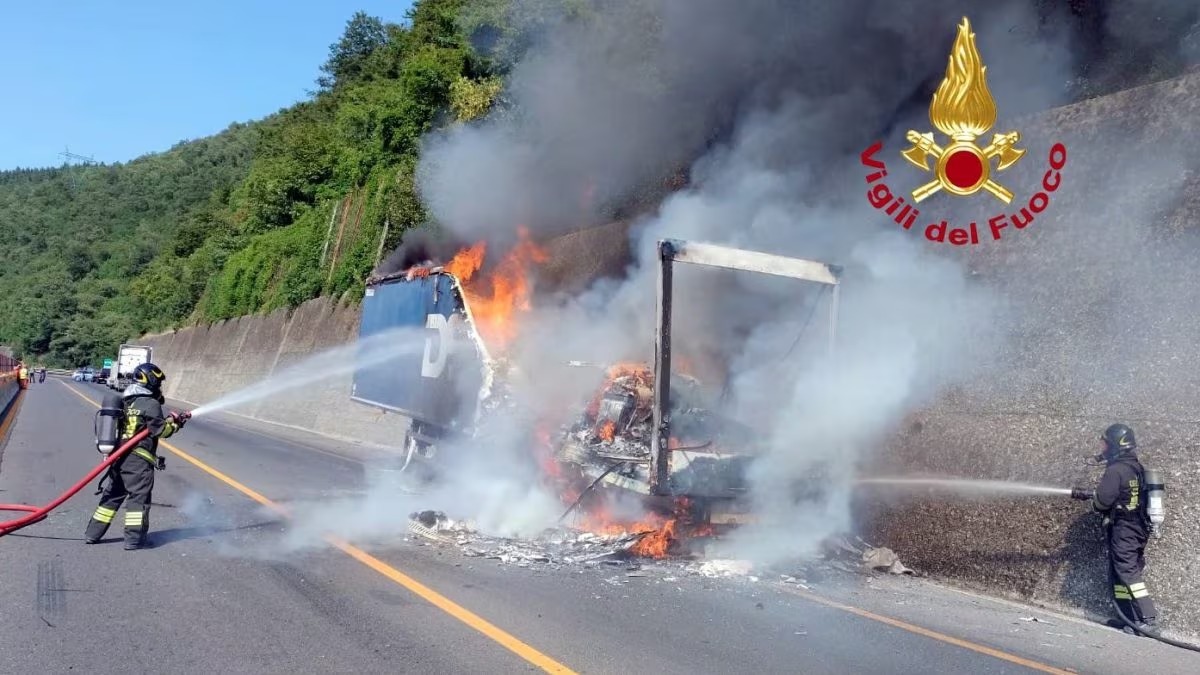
1103,328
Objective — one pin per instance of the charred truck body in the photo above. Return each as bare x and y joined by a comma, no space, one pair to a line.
640,433
440,389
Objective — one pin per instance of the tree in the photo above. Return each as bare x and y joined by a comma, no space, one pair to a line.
348,56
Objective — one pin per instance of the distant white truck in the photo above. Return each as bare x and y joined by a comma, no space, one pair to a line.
128,358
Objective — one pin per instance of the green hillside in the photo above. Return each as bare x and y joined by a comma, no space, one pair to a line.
260,216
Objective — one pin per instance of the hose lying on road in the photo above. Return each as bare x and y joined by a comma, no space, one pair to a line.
37,513
1151,633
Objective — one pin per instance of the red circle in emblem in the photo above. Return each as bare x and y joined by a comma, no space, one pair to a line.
964,169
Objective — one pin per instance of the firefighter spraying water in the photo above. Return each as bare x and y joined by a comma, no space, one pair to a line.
131,479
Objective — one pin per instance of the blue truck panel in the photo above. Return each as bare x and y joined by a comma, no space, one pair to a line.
438,385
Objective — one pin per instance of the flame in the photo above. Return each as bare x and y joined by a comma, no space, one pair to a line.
496,298
607,431
963,107
467,262
659,533
640,372
657,543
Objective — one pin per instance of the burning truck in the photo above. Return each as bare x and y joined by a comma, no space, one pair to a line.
640,434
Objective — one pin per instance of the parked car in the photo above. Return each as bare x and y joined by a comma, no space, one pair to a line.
89,374
77,375
103,375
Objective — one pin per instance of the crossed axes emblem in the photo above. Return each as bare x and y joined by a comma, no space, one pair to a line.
924,147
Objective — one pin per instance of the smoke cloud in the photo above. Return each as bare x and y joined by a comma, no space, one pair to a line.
766,104
763,106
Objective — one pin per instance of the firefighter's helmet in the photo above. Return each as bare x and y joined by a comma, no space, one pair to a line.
1118,439
149,376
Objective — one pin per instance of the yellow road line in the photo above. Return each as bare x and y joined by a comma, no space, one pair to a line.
931,634
434,598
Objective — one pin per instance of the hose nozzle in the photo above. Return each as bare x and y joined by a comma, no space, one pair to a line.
1082,494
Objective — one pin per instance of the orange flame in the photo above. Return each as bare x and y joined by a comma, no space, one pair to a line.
607,431
659,533
642,377
467,262
657,543
496,298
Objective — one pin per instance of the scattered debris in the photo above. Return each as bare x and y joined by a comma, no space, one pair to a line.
552,547
882,558
561,547
721,568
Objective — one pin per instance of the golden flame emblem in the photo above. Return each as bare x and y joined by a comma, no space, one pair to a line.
963,109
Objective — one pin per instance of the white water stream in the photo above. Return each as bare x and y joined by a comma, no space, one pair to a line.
968,486
375,351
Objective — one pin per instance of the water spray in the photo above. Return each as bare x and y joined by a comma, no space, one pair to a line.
373,351
963,485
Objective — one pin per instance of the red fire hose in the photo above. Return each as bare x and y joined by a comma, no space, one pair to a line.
38,513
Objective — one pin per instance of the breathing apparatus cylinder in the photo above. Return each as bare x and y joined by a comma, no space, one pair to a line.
1156,510
108,423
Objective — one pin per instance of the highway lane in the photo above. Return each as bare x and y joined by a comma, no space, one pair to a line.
218,593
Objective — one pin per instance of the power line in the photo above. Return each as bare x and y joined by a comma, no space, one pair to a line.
67,156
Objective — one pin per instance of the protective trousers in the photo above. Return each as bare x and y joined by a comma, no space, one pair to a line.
1126,563
132,478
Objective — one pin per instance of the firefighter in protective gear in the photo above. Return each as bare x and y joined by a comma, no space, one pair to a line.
1120,497
131,478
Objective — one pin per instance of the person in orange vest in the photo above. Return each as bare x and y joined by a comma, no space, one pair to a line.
23,374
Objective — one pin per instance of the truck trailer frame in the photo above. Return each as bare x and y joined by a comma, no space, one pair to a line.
671,251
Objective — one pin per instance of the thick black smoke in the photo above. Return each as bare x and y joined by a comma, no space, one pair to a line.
420,247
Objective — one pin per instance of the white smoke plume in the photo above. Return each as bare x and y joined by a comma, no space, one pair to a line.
765,105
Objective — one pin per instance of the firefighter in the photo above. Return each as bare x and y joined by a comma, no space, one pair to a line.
1120,497
23,373
131,478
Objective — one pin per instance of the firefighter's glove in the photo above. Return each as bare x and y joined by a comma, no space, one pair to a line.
1082,494
180,418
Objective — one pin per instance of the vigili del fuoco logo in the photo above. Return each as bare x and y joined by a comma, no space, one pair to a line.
962,109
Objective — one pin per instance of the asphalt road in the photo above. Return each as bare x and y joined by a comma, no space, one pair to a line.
218,591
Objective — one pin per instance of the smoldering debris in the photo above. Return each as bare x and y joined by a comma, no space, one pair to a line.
559,548
553,547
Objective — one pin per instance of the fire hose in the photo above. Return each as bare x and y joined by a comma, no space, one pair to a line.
1145,629
36,513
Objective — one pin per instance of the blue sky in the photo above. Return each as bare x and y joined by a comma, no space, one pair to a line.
116,80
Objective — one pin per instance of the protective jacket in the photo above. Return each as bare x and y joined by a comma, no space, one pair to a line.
144,409
132,476
1119,496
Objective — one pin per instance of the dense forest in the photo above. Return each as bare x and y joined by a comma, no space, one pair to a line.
268,214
